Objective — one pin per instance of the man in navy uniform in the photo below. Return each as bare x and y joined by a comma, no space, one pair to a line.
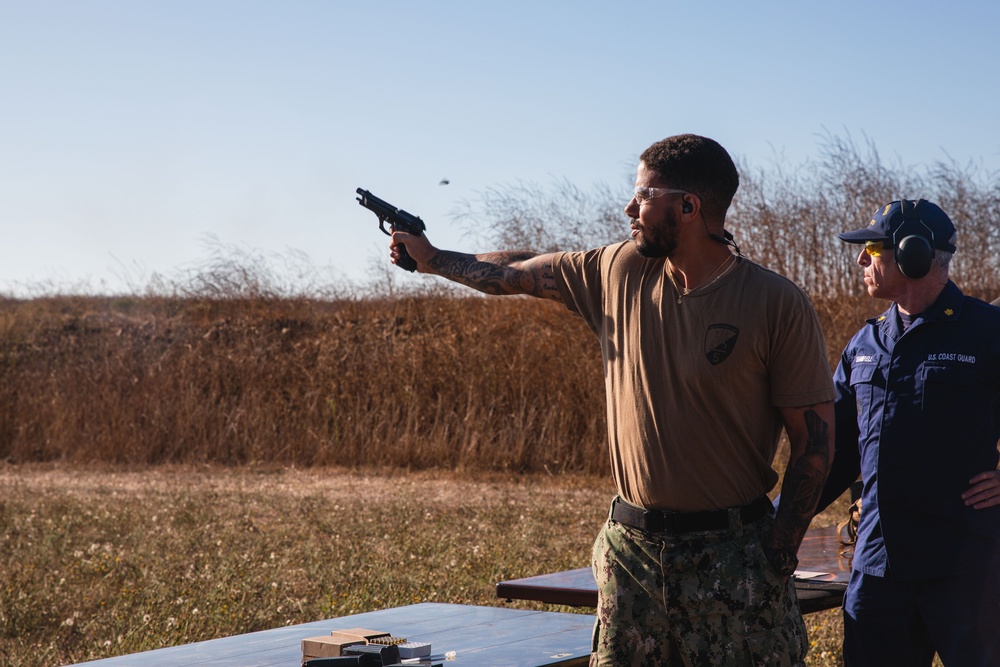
918,416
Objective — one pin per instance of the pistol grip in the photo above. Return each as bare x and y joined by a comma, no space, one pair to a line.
405,261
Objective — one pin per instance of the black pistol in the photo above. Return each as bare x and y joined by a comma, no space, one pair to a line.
398,219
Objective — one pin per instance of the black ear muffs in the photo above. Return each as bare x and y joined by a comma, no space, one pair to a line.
914,256
913,242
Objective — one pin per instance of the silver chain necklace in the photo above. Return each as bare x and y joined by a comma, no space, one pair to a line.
682,292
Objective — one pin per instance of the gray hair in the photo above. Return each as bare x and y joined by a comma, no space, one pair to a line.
942,258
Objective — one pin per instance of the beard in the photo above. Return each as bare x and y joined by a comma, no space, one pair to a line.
659,240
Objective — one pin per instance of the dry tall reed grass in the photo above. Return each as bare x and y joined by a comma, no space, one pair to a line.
415,381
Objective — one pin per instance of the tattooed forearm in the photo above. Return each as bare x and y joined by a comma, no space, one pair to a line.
803,484
496,272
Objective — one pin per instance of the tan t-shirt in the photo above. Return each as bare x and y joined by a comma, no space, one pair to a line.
693,389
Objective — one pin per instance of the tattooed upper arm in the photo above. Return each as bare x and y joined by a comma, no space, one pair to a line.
538,278
500,272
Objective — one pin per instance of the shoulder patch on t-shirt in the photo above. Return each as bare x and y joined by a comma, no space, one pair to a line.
720,339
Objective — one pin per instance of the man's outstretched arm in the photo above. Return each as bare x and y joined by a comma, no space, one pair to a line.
492,272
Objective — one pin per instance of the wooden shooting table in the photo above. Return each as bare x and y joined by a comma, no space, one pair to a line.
479,636
820,580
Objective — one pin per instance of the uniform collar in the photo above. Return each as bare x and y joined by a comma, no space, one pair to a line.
946,308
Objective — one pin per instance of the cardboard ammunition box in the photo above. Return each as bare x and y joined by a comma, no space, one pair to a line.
325,647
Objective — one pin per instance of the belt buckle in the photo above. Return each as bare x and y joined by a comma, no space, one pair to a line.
660,521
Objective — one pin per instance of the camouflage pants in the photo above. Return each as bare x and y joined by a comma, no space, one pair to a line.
708,598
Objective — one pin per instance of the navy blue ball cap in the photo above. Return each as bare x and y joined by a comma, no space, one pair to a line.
890,217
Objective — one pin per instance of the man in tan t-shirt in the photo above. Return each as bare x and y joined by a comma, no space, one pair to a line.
707,357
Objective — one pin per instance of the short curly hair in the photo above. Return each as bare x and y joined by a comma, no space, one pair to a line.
699,165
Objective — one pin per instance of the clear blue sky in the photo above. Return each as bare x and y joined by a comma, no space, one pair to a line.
133,131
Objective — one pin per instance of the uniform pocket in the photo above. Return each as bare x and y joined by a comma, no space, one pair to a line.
954,401
868,386
950,387
775,632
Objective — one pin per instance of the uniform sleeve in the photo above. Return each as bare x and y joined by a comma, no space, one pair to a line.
847,458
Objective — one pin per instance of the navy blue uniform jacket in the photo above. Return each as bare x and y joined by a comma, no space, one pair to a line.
918,415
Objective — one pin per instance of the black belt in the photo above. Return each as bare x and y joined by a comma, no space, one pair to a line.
659,521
